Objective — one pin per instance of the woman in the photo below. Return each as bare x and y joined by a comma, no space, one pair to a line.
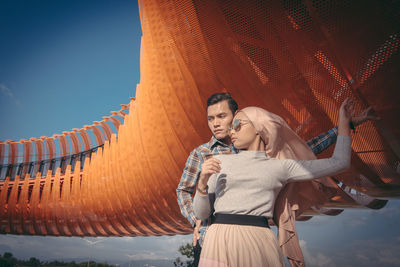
243,190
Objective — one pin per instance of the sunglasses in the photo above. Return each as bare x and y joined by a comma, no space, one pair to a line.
237,125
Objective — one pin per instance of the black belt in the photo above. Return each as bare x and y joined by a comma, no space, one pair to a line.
240,219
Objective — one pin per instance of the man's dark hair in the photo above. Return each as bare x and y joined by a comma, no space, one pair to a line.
218,97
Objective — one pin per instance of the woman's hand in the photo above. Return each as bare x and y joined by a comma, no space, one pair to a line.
209,167
345,113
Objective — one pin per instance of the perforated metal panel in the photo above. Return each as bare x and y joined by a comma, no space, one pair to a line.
299,59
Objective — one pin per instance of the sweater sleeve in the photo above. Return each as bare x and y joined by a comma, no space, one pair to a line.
297,170
202,203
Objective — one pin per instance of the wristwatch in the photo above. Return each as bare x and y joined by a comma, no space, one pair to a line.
205,191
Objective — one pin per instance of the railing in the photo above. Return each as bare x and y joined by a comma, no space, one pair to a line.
43,166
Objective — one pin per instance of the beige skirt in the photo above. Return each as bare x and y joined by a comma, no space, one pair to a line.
227,245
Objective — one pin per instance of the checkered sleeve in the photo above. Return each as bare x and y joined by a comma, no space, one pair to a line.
323,141
187,184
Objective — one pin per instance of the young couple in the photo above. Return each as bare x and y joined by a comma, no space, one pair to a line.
239,173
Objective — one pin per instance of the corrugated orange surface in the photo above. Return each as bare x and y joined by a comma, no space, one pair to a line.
298,59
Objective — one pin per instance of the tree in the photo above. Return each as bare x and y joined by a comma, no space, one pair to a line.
4,263
34,262
187,251
7,260
7,255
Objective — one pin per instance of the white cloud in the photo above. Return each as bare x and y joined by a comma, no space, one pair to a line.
179,239
111,249
315,259
362,257
127,238
146,255
8,93
356,221
96,240
391,211
318,220
372,252
390,255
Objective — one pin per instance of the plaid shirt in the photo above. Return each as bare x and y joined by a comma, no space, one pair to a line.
196,158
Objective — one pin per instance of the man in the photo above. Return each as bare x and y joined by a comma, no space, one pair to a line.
221,108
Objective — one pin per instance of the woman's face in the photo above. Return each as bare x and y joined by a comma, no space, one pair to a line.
243,133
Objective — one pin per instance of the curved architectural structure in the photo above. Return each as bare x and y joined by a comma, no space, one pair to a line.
298,59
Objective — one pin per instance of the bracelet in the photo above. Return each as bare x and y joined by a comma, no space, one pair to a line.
205,191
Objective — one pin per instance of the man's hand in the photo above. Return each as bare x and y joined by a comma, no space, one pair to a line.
196,234
366,115
209,167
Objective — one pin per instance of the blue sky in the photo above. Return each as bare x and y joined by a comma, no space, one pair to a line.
67,63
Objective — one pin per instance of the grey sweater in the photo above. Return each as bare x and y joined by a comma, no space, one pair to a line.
249,181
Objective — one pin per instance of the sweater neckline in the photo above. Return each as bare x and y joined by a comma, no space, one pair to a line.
253,153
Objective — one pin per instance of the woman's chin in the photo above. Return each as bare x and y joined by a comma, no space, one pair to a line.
237,145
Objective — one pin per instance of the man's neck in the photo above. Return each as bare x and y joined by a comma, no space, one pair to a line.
227,141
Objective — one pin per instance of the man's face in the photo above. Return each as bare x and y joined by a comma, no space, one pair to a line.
219,118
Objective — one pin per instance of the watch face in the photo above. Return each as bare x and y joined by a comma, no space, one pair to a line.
203,191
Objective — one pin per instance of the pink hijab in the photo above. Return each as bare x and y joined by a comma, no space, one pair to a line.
283,143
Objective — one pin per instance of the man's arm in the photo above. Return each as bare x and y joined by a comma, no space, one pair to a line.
187,184
367,114
324,141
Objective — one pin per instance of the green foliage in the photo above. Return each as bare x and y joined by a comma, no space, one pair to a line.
178,262
7,255
5,263
187,251
7,260
34,262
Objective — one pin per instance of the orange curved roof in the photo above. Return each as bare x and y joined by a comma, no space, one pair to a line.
297,59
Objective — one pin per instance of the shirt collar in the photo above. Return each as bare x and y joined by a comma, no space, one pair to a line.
215,142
